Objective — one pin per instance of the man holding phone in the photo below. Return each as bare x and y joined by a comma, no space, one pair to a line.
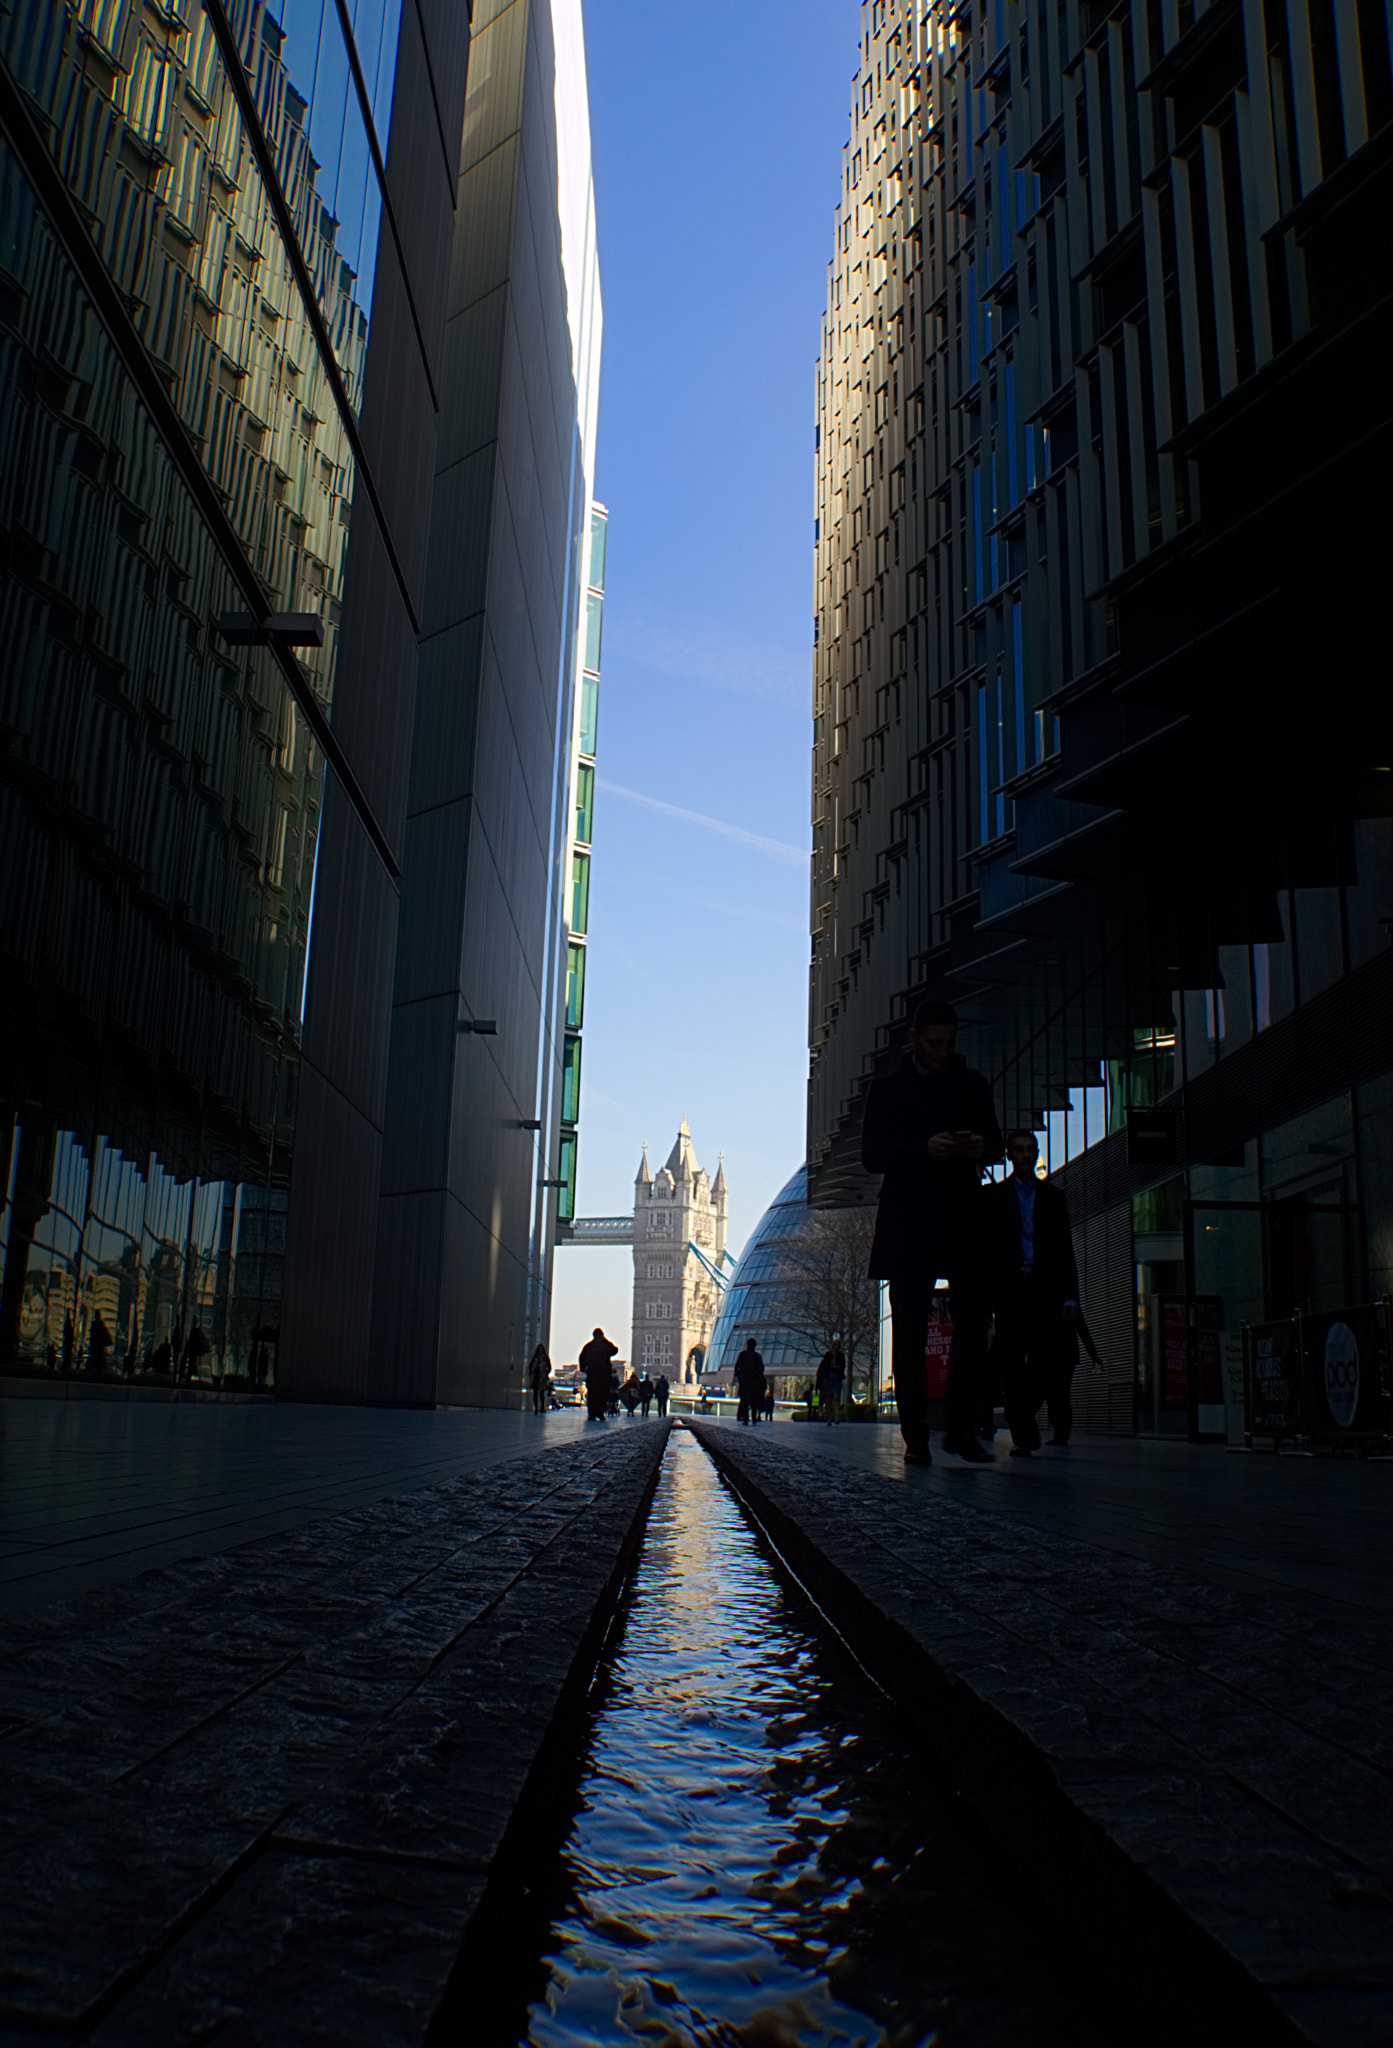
930,1128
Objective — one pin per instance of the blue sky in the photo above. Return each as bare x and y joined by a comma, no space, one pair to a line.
717,135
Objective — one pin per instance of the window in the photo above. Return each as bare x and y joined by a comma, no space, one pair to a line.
585,802
589,712
570,1081
566,1172
575,986
658,1311
660,1223
580,892
657,1347
659,1269
599,532
594,620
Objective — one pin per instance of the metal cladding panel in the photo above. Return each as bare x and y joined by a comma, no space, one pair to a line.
331,1239
373,715
483,918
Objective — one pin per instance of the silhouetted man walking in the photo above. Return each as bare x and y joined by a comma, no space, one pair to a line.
929,1128
1037,1298
599,1374
749,1383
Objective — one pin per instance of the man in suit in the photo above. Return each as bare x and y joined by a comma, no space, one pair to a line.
930,1128
1037,1298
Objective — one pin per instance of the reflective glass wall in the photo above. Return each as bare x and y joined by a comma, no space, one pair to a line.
161,789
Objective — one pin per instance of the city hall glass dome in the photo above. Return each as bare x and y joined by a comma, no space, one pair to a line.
751,1305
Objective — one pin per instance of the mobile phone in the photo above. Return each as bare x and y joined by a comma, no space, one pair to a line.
963,1136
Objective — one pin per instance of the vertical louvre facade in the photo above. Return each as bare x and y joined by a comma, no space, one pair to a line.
1098,750
218,258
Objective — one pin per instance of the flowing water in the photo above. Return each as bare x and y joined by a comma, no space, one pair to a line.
759,1855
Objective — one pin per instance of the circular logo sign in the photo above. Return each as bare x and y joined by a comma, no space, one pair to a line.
1341,1373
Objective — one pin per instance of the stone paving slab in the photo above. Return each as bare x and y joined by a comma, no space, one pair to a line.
265,1795
1197,1776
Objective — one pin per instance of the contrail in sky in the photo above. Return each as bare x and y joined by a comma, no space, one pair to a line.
797,855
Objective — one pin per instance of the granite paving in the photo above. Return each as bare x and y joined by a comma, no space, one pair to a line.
274,1794
95,1491
1195,1773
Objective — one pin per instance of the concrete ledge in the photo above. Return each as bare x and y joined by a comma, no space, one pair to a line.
1198,1783
271,1792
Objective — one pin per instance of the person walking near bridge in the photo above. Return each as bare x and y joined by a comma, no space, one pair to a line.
595,1364
930,1128
749,1383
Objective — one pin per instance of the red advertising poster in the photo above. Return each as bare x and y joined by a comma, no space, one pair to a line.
1175,1353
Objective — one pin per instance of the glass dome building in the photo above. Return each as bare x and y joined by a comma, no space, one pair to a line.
752,1303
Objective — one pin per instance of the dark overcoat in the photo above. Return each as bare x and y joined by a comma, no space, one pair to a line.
924,1201
1054,1268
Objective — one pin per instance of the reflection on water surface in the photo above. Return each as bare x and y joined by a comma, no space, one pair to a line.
759,1856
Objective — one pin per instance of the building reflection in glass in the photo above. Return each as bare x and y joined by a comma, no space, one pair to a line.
159,792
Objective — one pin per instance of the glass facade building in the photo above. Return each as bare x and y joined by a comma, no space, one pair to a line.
1097,753
759,1299
299,322
191,206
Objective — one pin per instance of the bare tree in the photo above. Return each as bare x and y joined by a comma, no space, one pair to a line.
829,1293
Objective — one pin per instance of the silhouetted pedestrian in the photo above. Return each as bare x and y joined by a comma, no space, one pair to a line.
749,1383
645,1392
660,1392
595,1364
769,1400
831,1376
1037,1298
539,1379
930,1128
629,1395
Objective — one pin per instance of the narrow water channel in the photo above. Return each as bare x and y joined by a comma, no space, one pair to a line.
758,1855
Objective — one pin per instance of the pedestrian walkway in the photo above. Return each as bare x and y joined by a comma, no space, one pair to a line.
1317,1531
1174,1714
94,1491
266,1794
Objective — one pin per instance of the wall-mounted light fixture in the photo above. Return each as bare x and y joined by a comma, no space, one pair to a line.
484,1027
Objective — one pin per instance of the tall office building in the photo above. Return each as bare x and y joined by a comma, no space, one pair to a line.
1101,750
239,343
431,1191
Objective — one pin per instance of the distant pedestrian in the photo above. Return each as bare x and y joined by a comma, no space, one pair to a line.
749,1383
645,1392
660,1392
1037,1299
539,1379
831,1375
595,1364
930,1128
616,1388
769,1400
